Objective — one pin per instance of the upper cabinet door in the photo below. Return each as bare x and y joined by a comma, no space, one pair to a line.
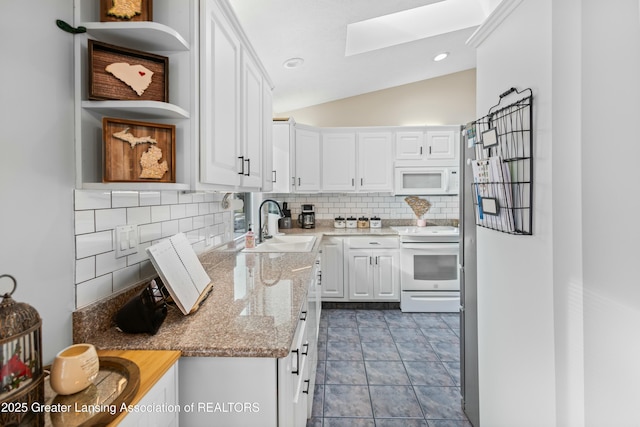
267,138
375,161
338,161
410,145
252,122
442,145
220,161
307,178
281,172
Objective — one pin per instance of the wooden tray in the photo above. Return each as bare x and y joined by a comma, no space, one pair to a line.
117,382
146,12
122,162
105,85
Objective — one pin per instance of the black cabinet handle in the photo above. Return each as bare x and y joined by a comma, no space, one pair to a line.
306,349
303,316
297,371
308,385
242,163
248,167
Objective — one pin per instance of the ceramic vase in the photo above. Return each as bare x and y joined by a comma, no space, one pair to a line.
74,369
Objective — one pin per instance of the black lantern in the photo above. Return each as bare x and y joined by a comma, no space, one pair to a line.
21,374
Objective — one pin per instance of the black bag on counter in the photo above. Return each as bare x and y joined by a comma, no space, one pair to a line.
143,313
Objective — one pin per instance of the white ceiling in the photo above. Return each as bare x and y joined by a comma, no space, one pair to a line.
316,30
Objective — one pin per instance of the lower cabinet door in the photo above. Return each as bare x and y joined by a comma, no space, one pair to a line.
164,394
360,275
386,278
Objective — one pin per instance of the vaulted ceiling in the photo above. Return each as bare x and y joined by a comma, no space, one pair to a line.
351,47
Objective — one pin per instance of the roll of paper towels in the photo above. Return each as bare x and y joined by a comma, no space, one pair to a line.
234,205
273,223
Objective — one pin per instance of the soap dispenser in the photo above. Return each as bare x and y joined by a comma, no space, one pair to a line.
249,239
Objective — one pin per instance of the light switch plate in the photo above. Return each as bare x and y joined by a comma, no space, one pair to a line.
126,240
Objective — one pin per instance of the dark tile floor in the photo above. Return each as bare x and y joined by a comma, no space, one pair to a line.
386,368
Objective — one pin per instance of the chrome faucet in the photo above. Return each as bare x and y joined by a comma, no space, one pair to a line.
261,234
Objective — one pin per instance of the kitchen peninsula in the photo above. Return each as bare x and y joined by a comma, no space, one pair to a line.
252,342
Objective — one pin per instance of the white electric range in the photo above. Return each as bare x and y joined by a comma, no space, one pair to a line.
429,278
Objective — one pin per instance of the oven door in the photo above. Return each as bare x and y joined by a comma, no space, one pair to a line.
429,267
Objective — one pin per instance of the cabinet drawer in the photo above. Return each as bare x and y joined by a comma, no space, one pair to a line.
387,242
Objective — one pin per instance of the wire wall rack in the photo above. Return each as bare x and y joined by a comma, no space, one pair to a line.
502,188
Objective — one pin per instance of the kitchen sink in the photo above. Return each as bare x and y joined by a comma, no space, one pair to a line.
285,243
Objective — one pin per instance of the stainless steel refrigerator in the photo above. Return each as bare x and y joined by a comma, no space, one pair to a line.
468,289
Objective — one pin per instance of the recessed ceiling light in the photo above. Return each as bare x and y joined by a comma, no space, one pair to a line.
293,63
440,56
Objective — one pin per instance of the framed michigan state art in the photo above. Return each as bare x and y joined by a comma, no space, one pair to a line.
126,10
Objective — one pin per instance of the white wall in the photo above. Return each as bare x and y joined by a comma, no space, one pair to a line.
515,282
581,59
445,100
610,205
36,162
567,212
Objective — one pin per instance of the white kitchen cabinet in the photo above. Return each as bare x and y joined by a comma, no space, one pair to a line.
164,392
357,161
375,161
171,34
232,104
256,391
307,160
373,274
430,145
252,124
281,176
220,54
338,161
442,145
410,145
313,330
267,139
332,268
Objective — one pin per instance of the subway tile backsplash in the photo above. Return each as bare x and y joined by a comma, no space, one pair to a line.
161,214
158,214
329,205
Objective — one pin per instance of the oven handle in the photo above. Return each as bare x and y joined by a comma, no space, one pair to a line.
429,246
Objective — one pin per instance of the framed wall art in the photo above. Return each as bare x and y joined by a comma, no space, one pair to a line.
119,73
138,151
126,10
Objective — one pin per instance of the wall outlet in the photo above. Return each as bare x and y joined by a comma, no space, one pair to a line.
126,240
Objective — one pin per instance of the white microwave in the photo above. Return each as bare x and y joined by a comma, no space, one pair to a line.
426,180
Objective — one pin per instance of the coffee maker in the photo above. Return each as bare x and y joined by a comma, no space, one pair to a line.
307,219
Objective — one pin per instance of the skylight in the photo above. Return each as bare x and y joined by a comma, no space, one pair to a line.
413,24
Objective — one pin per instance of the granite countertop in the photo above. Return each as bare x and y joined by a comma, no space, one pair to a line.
252,310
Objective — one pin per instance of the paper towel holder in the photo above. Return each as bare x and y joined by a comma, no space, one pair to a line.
224,204
228,203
